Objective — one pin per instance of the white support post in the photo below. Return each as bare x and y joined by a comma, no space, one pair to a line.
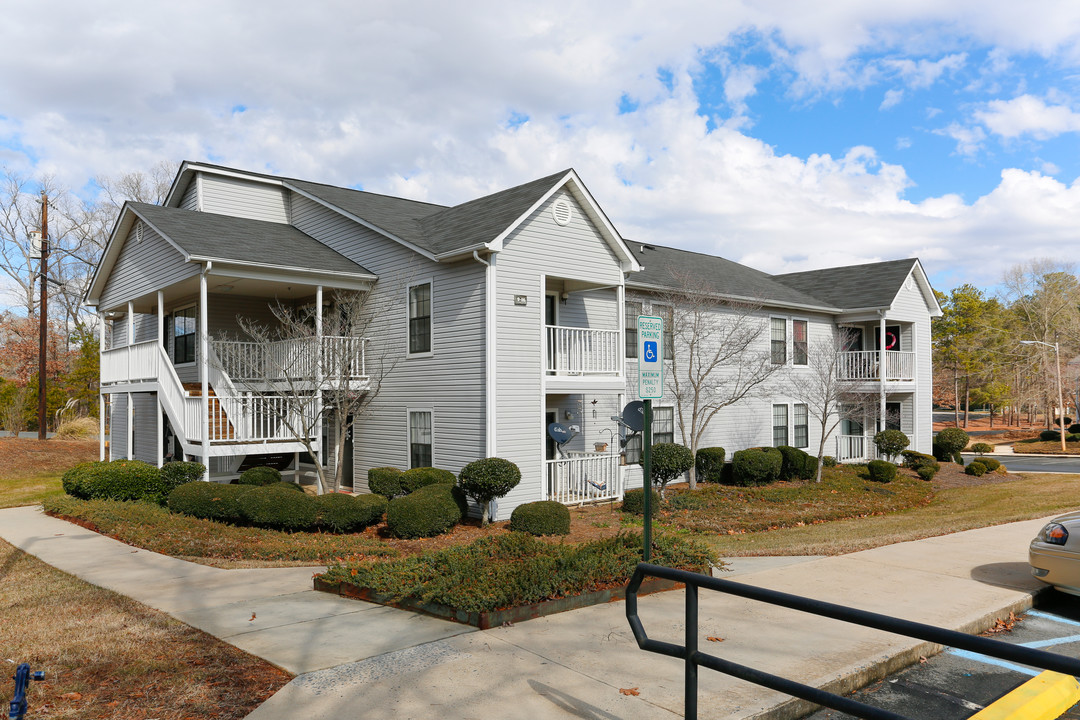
296,468
130,335
160,409
490,340
320,359
130,427
101,394
882,369
204,372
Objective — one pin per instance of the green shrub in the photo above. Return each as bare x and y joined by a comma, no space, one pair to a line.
210,501
412,480
1072,438
429,511
175,474
981,448
1050,435
891,443
949,441
385,481
709,464
991,464
1068,421
976,468
958,458
669,461
279,508
881,471
343,513
77,480
544,517
1074,429
727,474
756,466
828,461
287,484
487,479
260,476
634,501
116,480
916,460
796,463
927,472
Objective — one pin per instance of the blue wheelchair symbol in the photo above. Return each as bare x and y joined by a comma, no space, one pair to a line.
650,351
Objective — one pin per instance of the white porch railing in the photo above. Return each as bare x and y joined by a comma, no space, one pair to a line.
585,478
583,351
863,365
251,418
130,363
855,447
343,358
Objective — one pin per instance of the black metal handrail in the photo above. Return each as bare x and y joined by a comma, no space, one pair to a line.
693,658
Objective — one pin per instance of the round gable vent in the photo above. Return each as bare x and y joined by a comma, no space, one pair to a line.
562,212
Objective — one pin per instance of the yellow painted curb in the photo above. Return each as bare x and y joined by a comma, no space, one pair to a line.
1044,697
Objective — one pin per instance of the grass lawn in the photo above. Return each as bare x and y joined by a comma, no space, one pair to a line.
105,655
30,470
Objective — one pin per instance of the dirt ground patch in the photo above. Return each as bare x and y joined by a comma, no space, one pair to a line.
20,457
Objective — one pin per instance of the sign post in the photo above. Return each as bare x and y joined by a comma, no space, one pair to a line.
650,331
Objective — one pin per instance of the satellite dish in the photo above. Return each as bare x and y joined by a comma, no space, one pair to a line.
559,433
633,415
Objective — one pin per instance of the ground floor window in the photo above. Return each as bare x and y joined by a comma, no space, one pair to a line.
663,431
420,439
802,426
779,425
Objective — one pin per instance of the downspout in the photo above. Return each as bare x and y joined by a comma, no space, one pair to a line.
489,346
204,370
101,392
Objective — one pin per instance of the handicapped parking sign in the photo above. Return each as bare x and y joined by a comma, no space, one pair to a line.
650,357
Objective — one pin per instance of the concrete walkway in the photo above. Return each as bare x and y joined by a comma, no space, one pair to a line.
363,661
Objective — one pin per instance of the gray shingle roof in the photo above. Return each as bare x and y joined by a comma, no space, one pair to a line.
233,239
873,285
673,268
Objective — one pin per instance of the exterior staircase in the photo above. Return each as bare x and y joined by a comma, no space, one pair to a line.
220,427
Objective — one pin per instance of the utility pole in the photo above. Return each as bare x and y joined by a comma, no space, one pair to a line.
43,310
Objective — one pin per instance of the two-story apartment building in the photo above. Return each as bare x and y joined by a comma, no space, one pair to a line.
498,317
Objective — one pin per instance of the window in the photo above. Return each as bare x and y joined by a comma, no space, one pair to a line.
802,426
665,313
849,425
420,439
631,310
779,425
799,348
184,324
778,334
663,431
420,318
892,416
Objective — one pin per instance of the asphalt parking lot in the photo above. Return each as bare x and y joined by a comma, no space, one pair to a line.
956,684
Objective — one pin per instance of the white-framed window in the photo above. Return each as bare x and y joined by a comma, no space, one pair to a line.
778,340
800,346
663,431
185,322
667,314
802,425
420,319
631,310
420,438
779,425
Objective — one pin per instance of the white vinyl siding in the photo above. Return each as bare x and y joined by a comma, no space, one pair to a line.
244,199
118,427
144,411
190,200
143,267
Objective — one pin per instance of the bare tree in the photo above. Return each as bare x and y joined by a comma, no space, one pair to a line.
829,397
718,356
299,381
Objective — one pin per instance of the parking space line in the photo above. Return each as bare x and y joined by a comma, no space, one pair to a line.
967,655
1036,644
1050,616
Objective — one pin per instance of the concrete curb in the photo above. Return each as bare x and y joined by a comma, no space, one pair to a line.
1043,697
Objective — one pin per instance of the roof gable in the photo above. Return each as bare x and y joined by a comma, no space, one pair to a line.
853,287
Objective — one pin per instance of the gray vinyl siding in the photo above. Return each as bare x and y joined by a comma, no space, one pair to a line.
118,424
144,267
145,329
145,411
449,383
538,246
190,200
911,306
242,198
591,309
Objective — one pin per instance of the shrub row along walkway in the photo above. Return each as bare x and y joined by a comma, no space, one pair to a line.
379,662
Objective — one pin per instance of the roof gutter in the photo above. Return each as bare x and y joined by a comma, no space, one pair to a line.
737,298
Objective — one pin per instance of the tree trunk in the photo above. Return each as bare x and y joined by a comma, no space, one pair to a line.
967,400
956,399
991,415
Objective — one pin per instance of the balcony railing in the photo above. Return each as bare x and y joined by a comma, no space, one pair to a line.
864,365
587,477
246,418
342,359
583,351
855,447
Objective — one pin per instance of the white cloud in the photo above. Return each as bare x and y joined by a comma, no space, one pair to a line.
923,73
1028,115
969,139
892,99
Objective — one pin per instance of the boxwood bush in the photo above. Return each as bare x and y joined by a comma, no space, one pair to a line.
796,464
175,474
429,511
948,443
669,461
926,472
544,517
279,508
881,471
1050,435
210,501
991,464
975,468
982,448
828,461
487,479
413,480
343,513
385,481
891,443
709,464
756,466
116,480
1074,429
260,475
634,501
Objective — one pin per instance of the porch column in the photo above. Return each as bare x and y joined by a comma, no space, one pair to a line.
882,369
157,395
101,394
320,358
130,427
130,335
204,373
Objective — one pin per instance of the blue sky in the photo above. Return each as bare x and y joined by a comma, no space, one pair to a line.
783,135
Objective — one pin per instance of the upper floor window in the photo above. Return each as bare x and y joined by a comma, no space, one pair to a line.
184,325
778,336
420,318
799,345
631,310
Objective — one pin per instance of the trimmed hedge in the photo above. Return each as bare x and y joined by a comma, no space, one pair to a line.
210,501
756,466
891,443
487,479
385,481
709,464
669,461
976,468
1073,429
634,501
948,443
982,448
413,480
544,517
796,463
881,471
991,464
1050,435
926,472
279,508
260,476
925,466
343,513
175,474
828,461
116,480
289,484
429,511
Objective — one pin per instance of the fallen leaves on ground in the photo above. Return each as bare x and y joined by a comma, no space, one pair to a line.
630,691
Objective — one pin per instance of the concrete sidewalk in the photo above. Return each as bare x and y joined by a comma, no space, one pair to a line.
364,661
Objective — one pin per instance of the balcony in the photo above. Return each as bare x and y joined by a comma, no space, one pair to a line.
583,358
342,359
584,477
864,366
